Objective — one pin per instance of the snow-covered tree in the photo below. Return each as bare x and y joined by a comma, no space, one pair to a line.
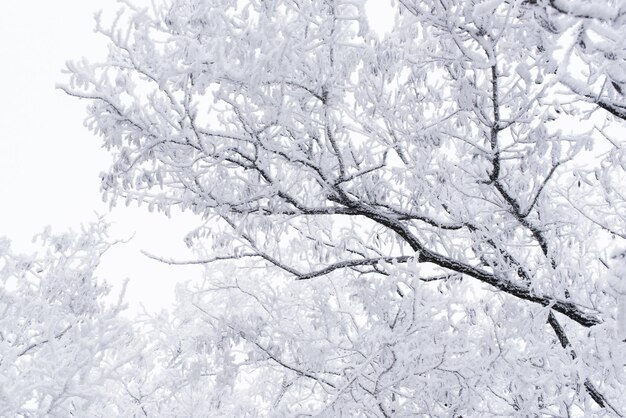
414,224
64,350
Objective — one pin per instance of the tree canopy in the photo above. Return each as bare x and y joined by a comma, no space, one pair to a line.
427,222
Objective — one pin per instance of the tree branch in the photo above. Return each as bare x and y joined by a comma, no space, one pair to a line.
353,263
173,262
43,342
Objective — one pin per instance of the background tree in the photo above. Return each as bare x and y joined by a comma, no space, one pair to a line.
64,350
412,224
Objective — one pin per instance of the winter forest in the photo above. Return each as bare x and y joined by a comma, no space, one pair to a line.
429,222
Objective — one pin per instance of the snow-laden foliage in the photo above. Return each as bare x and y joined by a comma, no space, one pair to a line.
63,350
414,224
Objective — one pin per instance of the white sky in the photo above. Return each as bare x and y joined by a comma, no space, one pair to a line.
50,163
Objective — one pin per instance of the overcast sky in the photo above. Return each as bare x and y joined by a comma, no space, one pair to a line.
50,163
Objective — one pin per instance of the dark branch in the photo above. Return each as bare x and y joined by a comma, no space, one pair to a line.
353,263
